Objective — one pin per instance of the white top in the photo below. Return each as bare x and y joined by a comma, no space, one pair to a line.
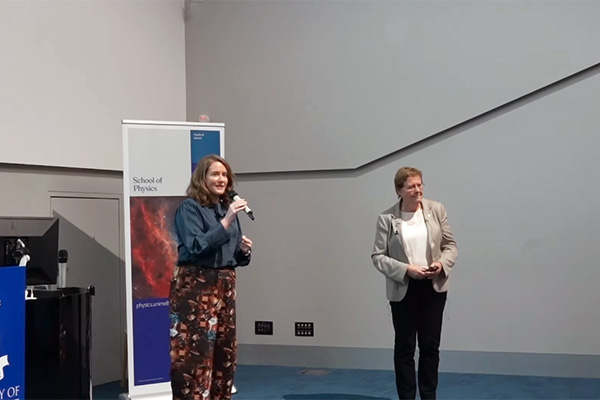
414,238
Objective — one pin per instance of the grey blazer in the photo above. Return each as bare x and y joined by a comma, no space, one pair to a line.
388,254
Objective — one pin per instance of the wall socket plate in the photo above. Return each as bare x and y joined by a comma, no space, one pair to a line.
263,327
305,329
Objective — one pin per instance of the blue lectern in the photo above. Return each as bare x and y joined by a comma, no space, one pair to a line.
12,333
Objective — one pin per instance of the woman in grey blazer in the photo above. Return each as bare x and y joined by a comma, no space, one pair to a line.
415,250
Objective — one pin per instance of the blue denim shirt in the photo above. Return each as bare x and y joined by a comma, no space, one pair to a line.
203,241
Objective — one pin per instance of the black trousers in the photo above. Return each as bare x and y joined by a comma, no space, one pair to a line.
418,315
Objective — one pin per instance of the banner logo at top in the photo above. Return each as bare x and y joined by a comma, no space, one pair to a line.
204,143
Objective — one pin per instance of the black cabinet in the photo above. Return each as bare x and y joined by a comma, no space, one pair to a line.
58,344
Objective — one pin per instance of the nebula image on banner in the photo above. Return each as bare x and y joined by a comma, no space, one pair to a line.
153,245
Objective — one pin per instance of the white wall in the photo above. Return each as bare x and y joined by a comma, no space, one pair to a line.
521,198
292,78
70,71
518,183
28,190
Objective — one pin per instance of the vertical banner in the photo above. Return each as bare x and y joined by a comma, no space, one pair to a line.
159,158
12,333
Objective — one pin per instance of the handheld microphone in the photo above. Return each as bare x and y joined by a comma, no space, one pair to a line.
235,197
63,257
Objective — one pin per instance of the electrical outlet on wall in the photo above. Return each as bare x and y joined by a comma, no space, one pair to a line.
263,327
305,329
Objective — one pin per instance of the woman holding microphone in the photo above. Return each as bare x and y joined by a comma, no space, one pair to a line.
202,298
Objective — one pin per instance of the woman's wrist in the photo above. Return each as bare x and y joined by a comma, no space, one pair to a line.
226,222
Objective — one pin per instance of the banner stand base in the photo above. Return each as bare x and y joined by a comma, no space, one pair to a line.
157,396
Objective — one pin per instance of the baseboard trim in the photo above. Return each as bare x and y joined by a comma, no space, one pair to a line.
501,363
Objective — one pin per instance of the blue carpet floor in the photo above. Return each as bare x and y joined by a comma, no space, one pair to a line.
289,383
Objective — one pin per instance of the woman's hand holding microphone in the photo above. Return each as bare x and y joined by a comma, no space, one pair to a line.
234,208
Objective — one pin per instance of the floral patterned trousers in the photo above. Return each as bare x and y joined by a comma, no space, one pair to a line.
203,339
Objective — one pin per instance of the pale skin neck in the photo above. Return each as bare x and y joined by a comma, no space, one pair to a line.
408,206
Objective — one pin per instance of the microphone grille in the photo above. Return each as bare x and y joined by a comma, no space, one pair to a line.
232,194
63,256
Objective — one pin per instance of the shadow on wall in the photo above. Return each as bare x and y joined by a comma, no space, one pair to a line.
90,263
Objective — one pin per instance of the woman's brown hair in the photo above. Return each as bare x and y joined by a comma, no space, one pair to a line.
402,176
197,188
